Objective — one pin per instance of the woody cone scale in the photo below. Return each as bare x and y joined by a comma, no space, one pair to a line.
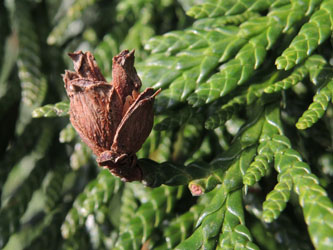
113,119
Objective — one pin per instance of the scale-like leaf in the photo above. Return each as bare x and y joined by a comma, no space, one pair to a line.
311,35
52,110
234,232
312,197
148,216
211,23
212,8
97,193
53,190
183,224
317,108
295,77
33,83
219,117
277,199
238,70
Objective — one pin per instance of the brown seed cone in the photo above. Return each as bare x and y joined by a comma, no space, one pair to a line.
113,119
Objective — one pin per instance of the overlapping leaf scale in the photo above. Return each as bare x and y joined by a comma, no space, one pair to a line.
246,97
53,189
95,234
11,213
203,51
282,234
223,168
175,41
259,166
176,120
33,84
235,235
211,23
273,145
224,164
159,70
316,205
51,110
315,66
73,222
299,9
317,108
311,35
295,77
65,25
277,199
226,111
168,173
185,84
95,195
178,90
192,42
311,5
238,70
188,140
188,136
270,142
237,158
148,216
319,70
208,147
223,217
213,8
196,237
235,72
181,227
209,224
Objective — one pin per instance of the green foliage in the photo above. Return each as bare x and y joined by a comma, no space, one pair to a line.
310,36
240,156
29,65
317,109
96,194
58,109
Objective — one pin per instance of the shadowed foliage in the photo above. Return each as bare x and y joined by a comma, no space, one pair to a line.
241,152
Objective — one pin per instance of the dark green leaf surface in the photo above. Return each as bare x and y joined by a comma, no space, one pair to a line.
311,35
213,8
317,108
243,121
